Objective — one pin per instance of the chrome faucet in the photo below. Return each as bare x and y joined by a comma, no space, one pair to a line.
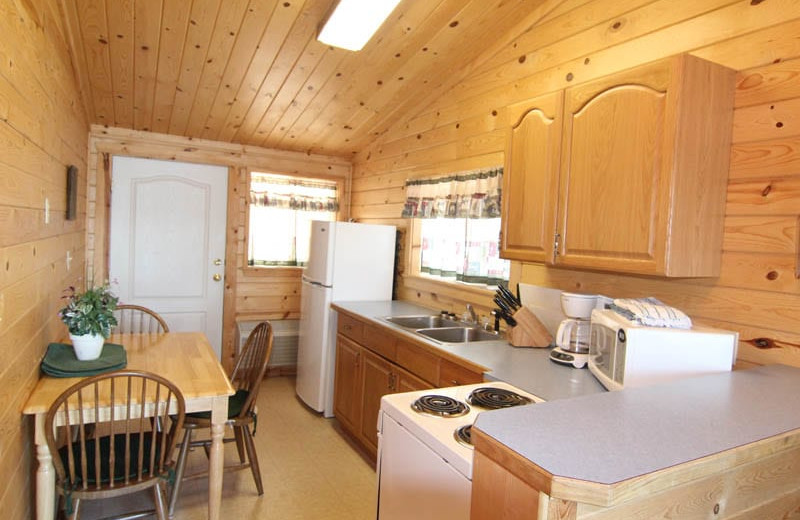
473,318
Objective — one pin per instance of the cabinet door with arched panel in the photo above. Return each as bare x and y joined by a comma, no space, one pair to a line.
644,165
530,179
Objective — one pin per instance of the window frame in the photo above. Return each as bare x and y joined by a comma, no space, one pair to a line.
342,188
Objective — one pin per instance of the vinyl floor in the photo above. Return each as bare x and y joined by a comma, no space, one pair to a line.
309,470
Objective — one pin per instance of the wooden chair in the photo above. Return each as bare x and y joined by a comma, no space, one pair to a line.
125,455
249,372
135,319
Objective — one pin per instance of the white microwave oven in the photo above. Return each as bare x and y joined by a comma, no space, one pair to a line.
624,354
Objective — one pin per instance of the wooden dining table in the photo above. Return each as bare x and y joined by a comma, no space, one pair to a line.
186,359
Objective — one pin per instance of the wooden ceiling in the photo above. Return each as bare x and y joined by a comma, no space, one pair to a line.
252,72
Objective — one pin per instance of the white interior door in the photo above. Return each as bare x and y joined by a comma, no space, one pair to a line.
167,243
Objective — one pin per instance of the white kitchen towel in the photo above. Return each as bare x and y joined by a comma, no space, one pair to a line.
651,312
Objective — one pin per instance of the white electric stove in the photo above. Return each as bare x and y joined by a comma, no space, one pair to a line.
424,458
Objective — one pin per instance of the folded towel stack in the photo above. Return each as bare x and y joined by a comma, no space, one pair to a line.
651,312
60,361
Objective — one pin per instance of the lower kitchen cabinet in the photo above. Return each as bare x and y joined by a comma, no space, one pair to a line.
377,377
381,377
346,399
370,363
362,378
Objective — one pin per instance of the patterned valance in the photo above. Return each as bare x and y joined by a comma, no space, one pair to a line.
472,194
276,191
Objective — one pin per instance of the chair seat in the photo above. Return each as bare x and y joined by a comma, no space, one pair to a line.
105,455
235,404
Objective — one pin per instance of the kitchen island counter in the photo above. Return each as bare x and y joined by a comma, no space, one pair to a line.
722,443
527,368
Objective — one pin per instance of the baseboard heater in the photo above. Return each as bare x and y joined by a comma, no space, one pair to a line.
284,344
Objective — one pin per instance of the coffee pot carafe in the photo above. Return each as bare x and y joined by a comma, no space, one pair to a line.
572,337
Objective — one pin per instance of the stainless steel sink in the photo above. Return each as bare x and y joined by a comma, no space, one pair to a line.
422,322
458,334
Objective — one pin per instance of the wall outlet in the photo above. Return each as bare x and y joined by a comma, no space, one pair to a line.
69,260
46,210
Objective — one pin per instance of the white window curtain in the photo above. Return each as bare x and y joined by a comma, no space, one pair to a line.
281,211
460,225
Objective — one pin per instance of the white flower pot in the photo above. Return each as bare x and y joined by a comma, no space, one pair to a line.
87,346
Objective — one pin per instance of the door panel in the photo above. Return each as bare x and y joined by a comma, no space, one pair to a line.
613,174
612,184
377,383
530,180
159,208
347,393
168,223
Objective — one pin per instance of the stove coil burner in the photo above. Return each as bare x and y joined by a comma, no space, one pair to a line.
440,406
494,398
464,435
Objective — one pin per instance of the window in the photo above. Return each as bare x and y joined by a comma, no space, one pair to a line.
459,226
461,249
281,210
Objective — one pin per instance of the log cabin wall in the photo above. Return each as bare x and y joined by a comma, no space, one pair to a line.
250,293
43,130
758,291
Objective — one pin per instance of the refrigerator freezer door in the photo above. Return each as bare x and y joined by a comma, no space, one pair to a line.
314,354
320,261
363,262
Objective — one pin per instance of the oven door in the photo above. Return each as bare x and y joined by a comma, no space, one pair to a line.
415,482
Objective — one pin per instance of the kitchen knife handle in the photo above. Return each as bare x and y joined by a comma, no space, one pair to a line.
509,296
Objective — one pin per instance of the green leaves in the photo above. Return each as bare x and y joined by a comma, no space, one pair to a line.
90,312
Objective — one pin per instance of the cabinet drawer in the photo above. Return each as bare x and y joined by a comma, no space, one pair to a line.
418,361
350,327
377,340
451,374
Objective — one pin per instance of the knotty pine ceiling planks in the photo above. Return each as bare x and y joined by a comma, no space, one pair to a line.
252,72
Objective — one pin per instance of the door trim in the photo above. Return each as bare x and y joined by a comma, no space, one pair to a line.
232,224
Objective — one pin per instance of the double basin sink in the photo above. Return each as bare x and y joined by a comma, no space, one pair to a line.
441,329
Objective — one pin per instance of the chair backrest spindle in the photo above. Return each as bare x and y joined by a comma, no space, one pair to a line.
251,367
135,319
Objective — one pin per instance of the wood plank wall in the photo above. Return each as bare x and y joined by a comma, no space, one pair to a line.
43,129
758,292
250,293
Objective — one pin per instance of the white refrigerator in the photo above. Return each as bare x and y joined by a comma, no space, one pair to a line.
347,262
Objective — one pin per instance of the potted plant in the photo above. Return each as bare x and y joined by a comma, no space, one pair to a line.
89,316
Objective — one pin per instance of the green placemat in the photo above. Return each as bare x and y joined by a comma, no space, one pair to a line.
60,361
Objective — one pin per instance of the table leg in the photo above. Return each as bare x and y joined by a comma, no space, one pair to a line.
219,414
45,475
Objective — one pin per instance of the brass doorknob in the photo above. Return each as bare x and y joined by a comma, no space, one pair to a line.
217,277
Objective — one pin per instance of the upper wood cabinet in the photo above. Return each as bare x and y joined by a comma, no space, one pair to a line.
530,179
643,172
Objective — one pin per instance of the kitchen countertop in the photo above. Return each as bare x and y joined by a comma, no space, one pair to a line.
626,434
527,368
604,448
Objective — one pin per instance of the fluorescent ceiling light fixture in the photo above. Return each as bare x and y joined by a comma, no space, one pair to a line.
353,22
